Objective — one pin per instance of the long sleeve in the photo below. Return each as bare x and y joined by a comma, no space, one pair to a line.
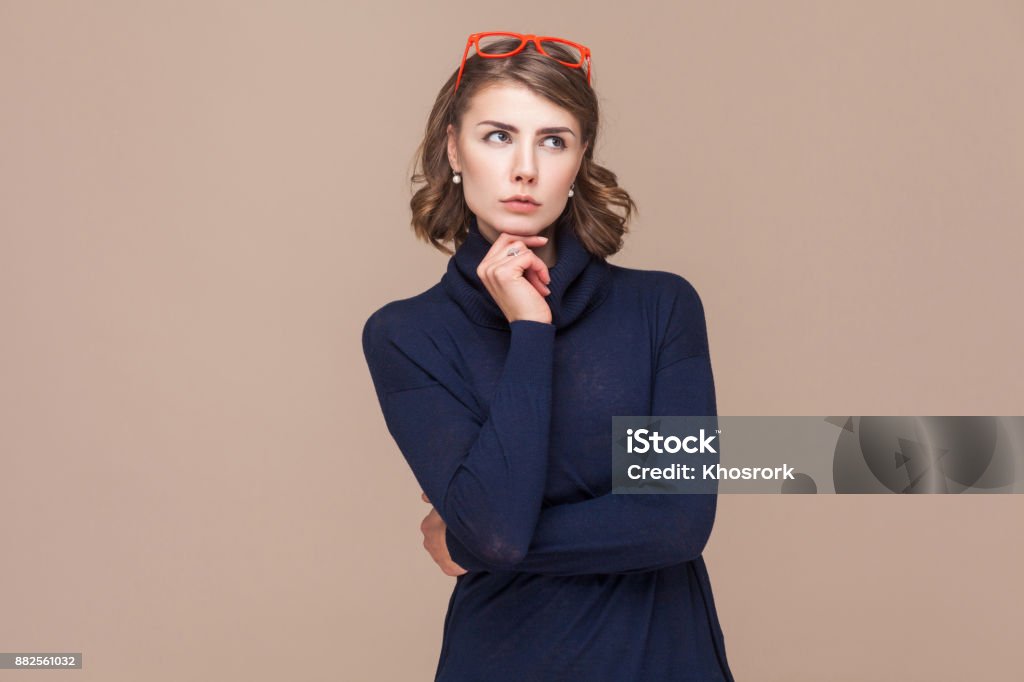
484,477
632,533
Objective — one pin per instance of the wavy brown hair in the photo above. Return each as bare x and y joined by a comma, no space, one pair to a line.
439,210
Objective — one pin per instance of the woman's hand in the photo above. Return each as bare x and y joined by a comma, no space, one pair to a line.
518,283
433,527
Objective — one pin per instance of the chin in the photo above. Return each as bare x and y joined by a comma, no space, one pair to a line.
522,226
532,223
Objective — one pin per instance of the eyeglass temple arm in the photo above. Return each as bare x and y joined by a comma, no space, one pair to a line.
462,66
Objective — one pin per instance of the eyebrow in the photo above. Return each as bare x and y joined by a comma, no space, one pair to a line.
513,129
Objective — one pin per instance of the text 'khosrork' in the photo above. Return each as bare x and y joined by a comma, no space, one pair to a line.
709,472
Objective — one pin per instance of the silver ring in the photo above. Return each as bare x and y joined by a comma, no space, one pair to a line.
513,251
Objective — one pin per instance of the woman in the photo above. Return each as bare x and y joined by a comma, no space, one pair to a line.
499,384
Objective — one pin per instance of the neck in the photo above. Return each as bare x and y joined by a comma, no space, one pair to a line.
579,280
546,253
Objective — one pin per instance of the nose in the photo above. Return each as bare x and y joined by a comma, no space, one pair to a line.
525,166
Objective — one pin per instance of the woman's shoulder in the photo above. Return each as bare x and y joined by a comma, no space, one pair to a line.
408,343
657,286
674,307
403,315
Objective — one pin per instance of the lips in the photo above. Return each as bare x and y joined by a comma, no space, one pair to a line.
520,206
521,199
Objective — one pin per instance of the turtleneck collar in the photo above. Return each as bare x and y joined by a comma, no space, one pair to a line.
579,280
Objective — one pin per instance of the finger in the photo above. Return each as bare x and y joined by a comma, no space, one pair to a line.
453,569
499,254
541,268
496,255
424,497
520,265
503,240
501,262
499,249
536,265
534,279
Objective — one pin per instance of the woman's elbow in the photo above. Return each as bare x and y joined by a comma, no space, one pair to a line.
496,544
501,554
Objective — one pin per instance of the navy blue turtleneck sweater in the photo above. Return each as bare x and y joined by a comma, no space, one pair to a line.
507,429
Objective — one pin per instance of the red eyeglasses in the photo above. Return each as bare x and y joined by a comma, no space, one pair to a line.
486,49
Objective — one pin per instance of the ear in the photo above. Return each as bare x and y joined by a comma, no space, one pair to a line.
453,152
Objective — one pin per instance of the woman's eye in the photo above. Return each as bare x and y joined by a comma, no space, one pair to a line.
560,145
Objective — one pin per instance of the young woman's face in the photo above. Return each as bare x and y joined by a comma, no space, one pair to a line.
514,142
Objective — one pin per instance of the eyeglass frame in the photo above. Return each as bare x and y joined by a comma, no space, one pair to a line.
525,38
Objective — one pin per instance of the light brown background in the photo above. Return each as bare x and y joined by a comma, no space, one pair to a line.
202,202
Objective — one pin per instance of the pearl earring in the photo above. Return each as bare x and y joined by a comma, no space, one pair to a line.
570,189
456,178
